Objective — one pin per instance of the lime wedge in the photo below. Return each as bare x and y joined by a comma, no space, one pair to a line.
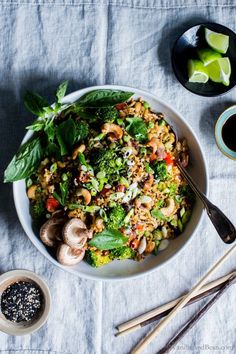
208,55
217,41
220,71
197,72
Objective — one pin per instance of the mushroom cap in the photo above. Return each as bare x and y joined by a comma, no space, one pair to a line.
51,231
69,256
75,233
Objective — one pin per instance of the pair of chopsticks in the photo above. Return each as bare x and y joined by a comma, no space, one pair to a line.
175,306
161,311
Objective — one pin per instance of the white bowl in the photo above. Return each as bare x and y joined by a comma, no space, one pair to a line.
118,270
23,328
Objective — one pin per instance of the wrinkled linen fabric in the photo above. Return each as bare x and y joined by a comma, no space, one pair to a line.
127,42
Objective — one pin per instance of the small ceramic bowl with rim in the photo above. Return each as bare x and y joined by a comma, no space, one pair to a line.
25,327
223,118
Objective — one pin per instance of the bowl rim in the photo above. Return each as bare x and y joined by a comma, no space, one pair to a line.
173,61
45,253
16,274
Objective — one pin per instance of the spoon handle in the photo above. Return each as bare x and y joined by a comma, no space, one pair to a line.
222,224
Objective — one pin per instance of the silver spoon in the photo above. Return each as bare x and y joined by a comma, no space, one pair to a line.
222,224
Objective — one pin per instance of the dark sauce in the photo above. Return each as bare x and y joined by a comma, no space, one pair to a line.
229,132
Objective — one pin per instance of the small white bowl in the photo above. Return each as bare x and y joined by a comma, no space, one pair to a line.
23,328
127,269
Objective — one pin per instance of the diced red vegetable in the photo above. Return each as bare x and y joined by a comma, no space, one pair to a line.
168,159
153,157
120,106
52,204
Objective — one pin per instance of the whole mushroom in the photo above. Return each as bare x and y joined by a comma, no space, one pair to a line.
75,233
68,256
51,231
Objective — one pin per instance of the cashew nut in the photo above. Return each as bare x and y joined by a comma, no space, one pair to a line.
80,148
138,107
85,194
150,247
113,130
144,200
170,207
31,192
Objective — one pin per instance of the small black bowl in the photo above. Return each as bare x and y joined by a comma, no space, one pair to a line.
185,49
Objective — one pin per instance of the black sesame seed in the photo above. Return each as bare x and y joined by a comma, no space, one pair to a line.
21,301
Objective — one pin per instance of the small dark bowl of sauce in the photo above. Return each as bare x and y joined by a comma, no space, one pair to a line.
225,132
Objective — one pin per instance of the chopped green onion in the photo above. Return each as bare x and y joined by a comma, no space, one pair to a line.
53,167
128,216
162,122
101,174
143,151
146,105
64,177
151,125
124,182
126,138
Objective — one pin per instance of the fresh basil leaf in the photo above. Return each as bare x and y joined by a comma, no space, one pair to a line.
66,135
25,162
137,129
52,149
36,126
156,213
108,239
103,98
35,103
50,130
61,91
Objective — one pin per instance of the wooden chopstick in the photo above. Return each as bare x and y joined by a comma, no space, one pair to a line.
167,348
150,336
160,312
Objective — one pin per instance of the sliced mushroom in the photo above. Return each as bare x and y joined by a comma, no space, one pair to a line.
113,130
169,208
51,231
69,256
75,233
85,194
184,159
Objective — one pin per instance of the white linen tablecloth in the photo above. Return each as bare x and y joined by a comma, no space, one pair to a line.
128,42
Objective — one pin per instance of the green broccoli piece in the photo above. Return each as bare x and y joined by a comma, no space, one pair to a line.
107,114
122,253
96,259
160,170
37,211
106,160
116,217
186,192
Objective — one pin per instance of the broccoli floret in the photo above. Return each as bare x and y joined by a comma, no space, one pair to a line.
116,217
37,211
107,114
96,259
160,170
122,253
106,160
186,191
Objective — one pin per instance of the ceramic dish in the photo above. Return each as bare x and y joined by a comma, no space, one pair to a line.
118,270
185,49
218,132
22,328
